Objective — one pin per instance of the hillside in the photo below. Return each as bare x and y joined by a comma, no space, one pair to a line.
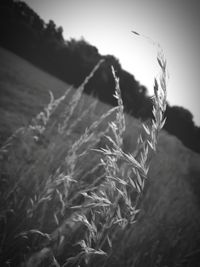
23,32
167,232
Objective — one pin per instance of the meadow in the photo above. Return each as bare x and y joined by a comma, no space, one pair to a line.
53,160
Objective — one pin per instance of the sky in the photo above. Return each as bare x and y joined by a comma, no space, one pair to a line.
107,24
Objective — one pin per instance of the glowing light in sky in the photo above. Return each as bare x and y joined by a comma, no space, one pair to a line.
107,24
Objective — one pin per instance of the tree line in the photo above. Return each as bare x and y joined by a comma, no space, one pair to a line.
26,34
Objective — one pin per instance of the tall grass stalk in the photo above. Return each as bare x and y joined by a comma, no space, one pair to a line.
76,98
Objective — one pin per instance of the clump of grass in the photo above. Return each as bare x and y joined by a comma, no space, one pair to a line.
55,213
115,203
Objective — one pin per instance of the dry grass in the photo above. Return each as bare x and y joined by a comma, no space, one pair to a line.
100,206
68,193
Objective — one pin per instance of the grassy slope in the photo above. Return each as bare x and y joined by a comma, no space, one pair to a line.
23,92
168,227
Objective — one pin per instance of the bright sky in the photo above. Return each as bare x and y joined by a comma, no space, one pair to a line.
107,24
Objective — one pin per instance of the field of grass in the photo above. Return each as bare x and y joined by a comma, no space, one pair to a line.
167,230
